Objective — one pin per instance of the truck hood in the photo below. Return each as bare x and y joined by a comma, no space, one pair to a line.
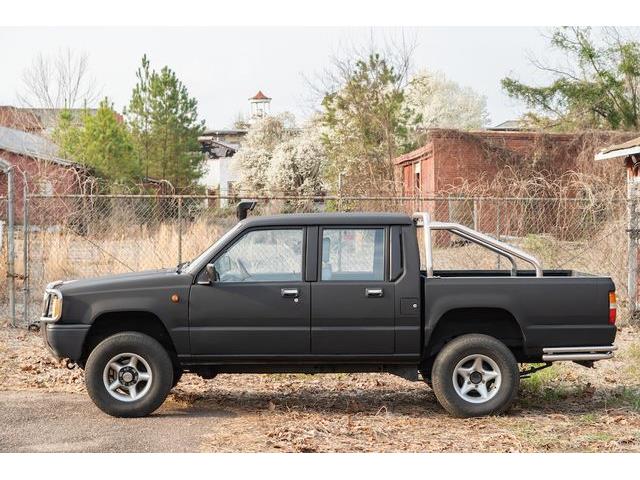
123,280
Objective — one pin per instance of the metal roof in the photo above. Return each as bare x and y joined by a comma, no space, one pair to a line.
31,145
213,132
631,147
509,125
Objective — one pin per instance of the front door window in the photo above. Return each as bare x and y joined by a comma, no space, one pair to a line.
263,256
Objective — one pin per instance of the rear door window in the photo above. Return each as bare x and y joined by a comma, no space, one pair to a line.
352,254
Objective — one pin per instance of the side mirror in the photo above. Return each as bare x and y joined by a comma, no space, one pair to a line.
212,274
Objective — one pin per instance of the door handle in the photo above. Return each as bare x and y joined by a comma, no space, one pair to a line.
290,293
373,292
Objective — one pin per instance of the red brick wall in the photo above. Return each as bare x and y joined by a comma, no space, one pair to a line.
13,117
451,158
41,175
471,157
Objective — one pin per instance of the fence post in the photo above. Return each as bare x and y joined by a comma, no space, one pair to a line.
10,248
25,250
632,250
475,215
498,257
340,191
179,230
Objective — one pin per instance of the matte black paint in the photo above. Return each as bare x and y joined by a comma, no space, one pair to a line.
333,326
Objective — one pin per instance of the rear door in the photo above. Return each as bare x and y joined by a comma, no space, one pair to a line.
352,310
260,304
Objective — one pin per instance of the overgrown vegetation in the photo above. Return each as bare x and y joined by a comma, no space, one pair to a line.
598,85
101,141
159,139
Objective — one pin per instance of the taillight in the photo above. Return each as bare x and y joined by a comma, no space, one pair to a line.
612,308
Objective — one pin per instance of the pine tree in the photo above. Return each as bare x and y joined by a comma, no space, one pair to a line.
164,119
102,142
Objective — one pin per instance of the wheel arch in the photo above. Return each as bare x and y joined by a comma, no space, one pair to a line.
109,323
497,322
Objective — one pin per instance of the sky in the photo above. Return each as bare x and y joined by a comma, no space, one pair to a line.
223,66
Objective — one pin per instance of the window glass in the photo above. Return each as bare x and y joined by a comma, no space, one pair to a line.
263,256
352,254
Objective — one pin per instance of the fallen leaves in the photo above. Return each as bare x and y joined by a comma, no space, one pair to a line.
576,409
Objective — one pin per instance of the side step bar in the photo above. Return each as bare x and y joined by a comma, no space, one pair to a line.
576,354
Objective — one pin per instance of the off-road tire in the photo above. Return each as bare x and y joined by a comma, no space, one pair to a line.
457,350
151,351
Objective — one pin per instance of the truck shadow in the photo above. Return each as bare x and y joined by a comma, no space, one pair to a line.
414,402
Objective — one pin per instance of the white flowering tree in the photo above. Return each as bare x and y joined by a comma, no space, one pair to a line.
279,158
254,157
298,163
437,102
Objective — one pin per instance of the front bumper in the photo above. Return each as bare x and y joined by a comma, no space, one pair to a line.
65,341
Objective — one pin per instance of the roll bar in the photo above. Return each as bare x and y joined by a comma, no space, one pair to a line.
511,253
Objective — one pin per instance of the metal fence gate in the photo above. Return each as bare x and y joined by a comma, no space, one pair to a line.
9,235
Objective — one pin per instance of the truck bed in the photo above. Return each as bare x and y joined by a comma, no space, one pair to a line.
563,308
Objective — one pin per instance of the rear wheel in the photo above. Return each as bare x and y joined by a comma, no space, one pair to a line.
129,375
475,375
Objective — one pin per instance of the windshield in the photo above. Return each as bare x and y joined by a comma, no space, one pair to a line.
198,262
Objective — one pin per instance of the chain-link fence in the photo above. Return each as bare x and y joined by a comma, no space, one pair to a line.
77,236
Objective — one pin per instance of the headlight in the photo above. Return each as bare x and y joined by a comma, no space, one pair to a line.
52,307
56,307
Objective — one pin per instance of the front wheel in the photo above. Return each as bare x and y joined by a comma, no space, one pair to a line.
475,375
129,375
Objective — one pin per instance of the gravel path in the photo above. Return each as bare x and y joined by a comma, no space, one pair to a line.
67,422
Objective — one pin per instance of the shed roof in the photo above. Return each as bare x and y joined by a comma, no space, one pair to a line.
630,147
509,125
31,145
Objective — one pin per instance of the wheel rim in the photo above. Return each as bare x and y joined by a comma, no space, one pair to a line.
127,377
477,378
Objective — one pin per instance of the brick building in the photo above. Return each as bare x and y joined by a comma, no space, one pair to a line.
41,120
35,158
451,158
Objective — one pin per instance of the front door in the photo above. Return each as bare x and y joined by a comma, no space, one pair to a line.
259,304
353,303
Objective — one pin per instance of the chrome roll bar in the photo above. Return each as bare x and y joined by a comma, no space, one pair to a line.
490,243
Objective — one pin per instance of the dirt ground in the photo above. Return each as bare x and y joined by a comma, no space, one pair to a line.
568,408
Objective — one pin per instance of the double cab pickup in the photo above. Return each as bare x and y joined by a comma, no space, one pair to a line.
330,292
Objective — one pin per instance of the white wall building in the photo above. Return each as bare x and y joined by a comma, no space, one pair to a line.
221,169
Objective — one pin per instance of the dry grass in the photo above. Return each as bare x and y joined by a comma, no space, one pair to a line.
122,242
566,408
64,254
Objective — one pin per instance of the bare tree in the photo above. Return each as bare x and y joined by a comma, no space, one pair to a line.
59,81
361,95
397,49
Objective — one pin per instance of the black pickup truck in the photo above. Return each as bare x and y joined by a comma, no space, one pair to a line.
319,293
